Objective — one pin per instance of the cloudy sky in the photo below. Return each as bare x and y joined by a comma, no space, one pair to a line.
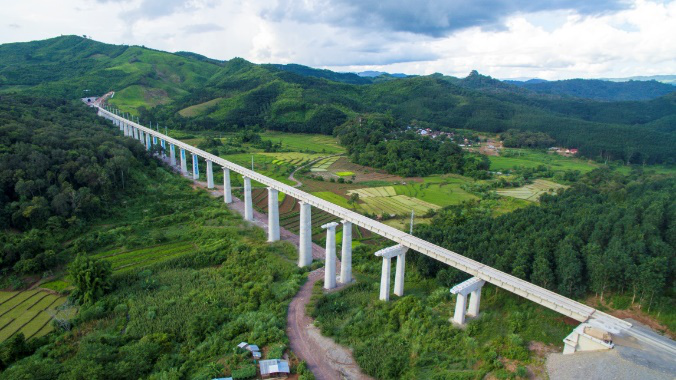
554,39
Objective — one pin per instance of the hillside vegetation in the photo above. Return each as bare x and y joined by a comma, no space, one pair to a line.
190,91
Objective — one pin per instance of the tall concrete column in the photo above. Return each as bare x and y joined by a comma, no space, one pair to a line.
141,137
148,144
210,175
460,309
227,187
399,275
154,140
273,215
184,164
195,167
172,154
346,254
385,279
305,244
164,147
330,260
248,204
122,126
474,301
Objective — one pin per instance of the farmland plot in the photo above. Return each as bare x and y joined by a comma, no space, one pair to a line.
533,191
27,312
385,201
126,260
323,165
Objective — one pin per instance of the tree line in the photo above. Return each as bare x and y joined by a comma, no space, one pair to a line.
606,234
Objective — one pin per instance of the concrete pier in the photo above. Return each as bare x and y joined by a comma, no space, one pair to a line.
195,167
210,175
399,275
227,187
172,154
387,254
330,260
148,143
164,148
273,214
305,243
248,203
385,279
184,164
346,254
471,288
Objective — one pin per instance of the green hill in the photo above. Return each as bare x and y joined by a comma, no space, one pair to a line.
186,90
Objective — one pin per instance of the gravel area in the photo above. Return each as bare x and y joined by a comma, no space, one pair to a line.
599,365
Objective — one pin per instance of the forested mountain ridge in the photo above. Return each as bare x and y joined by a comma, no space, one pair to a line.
185,90
598,89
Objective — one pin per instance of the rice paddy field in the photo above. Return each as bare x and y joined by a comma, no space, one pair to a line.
323,165
385,201
27,312
533,191
122,260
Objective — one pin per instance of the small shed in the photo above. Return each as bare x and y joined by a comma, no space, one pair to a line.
252,347
274,367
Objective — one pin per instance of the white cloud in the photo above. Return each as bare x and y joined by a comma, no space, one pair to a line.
553,43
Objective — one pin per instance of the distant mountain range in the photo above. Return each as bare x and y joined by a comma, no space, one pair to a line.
599,89
187,90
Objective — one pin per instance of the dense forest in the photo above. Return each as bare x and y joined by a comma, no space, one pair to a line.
375,140
75,194
607,234
515,138
60,167
600,89
189,91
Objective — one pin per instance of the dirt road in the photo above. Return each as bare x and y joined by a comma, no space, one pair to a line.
325,358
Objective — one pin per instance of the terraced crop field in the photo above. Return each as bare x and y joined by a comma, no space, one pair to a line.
533,191
291,158
27,312
383,191
323,165
127,260
395,205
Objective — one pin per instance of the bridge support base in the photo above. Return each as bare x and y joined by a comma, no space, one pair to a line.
587,338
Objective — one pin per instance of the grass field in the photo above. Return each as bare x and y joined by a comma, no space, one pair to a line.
27,312
344,174
125,260
291,158
439,190
529,158
533,191
307,143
